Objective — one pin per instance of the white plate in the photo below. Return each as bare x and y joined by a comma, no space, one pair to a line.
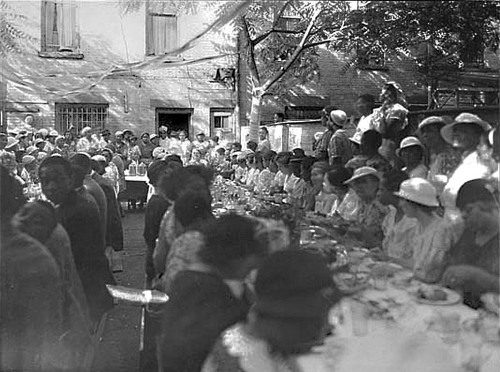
452,297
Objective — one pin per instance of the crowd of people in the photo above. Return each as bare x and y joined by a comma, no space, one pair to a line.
426,199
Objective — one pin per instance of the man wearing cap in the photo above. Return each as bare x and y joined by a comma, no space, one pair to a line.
164,138
465,134
84,143
339,146
321,151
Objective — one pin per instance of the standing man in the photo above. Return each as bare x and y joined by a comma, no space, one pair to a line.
321,152
339,148
164,139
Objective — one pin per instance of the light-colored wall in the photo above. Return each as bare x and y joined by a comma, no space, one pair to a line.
110,38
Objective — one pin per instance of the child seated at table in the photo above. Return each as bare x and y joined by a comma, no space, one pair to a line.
399,230
367,225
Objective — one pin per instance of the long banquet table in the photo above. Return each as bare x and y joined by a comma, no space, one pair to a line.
378,305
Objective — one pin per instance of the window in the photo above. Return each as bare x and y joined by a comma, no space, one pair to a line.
81,115
161,33
59,27
221,120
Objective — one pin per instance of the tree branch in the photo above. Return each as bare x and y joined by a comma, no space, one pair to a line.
265,35
248,45
295,54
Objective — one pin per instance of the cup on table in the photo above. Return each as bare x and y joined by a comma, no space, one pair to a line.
359,318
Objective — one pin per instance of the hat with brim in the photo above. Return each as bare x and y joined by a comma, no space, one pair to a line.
32,149
162,129
463,118
11,142
338,117
153,136
28,159
85,130
432,120
159,153
118,133
99,158
53,133
419,191
409,142
362,172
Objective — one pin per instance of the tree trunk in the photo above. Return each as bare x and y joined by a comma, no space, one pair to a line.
255,117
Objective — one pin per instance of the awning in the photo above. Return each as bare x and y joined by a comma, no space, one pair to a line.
306,101
180,102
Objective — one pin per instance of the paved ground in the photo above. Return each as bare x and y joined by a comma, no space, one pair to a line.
119,347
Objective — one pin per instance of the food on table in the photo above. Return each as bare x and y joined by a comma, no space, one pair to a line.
351,282
432,294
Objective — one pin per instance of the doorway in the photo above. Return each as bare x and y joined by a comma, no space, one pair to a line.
175,119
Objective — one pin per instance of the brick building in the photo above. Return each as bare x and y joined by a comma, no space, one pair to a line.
74,44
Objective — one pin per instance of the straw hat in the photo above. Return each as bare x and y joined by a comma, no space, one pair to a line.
338,117
53,133
419,191
85,130
162,129
409,142
153,136
118,133
159,153
363,172
463,118
432,120
11,142
99,158
28,159
44,132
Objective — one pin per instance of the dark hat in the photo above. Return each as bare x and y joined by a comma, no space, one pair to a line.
201,134
473,191
291,284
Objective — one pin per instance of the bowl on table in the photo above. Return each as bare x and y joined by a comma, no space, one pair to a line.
349,283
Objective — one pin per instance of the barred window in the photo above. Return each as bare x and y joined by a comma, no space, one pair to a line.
81,115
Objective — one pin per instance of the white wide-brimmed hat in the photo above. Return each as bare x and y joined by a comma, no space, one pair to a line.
419,191
356,138
463,118
338,117
432,120
409,142
363,172
85,130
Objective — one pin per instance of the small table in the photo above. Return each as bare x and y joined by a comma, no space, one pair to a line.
137,189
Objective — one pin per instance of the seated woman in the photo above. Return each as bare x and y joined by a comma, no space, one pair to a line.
434,235
334,191
282,160
317,174
209,296
266,175
398,229
474,260
254,164
367,226
294,293
192,210
411,151
197,159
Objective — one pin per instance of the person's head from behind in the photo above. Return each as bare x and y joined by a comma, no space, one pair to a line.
231,246
236,146
252,145
98,164
179,180
294,293
267,158
11,197
193,208
37,219
82,160
156,170
334,181
389,94
478,204
371,140
389,184
318,170
365,183
365,104
56,178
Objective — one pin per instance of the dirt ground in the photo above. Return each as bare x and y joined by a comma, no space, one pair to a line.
120,342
